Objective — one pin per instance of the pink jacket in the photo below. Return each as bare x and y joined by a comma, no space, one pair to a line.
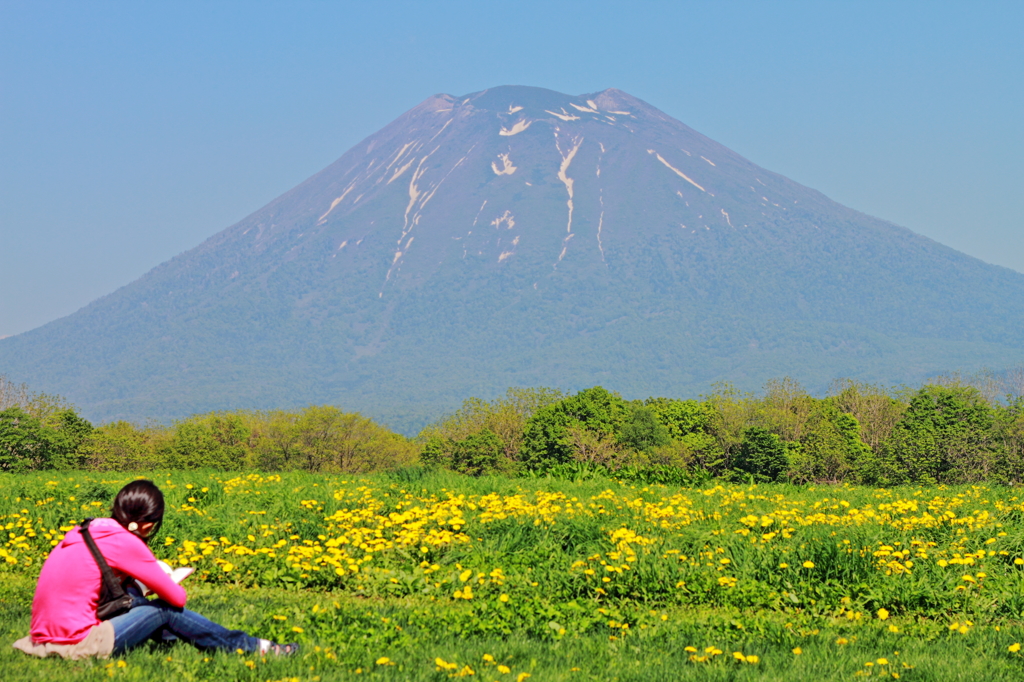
64,607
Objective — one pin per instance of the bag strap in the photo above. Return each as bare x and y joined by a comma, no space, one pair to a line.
109,579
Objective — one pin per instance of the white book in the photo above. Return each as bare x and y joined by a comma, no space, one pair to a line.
176,574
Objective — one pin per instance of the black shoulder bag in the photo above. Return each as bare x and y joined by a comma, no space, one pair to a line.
113,599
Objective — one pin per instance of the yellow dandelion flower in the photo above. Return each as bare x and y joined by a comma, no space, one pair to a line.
808,564
882,614
1014,648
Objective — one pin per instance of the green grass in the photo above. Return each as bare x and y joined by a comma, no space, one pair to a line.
556,625
934,652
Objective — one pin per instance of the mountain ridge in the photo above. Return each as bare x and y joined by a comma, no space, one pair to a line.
520,236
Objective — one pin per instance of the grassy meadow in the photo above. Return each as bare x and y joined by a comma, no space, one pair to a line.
419,575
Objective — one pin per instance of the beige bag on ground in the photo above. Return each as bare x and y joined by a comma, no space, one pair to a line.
99,643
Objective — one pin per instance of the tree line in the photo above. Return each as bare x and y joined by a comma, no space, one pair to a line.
954,429
39,431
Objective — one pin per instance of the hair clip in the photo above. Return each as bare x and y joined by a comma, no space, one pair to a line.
133,526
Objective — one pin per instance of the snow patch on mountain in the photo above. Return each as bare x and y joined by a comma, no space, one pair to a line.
507,167
678,172
565,116
517,128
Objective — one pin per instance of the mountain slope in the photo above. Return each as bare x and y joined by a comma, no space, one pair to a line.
519,236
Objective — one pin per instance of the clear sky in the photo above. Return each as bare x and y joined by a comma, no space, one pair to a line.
131,131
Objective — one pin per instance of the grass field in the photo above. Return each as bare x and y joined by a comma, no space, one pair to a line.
423,576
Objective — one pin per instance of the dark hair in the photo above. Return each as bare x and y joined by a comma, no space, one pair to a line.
141,502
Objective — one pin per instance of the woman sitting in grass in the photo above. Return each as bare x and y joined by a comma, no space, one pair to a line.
64,620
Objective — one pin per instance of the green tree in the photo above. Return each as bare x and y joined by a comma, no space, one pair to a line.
71,430
437,451
831,448
119,446
216,440
548,439
29,442
733,413
945,436
323,438
1008,433
692,444
875,408
506,417
642,430
785,409
762,454
479,453
22,443
596,447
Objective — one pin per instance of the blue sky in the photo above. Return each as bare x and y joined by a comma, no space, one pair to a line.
130,132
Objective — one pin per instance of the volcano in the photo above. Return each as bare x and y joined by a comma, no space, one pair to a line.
519,236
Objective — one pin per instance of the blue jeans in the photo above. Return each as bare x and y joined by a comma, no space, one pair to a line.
158,620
